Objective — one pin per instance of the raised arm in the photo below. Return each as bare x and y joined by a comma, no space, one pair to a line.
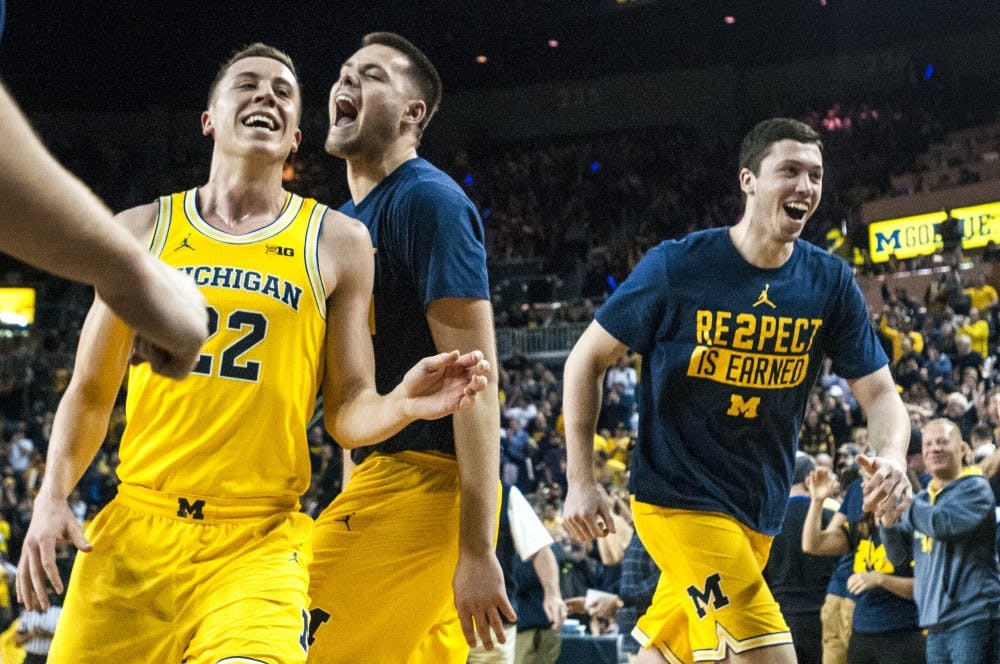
889,432
52,220
586,513
817,540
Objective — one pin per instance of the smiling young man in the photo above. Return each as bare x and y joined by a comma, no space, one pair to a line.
950,531
202,557
405,568
733,325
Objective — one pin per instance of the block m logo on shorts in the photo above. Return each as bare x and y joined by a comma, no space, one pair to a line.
194,510
712,593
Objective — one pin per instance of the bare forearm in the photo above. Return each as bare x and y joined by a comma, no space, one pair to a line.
547,570
78,430
51,219
81,420
816,540
367,418
583,379
477,447
889,427
901,586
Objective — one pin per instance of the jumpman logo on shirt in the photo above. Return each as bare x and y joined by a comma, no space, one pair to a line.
764,299
184,244
346,520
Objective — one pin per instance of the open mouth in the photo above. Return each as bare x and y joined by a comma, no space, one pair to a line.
346,111
796,210
260,121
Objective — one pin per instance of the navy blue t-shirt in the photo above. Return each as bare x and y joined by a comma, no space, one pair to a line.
730,352
876,610
429,245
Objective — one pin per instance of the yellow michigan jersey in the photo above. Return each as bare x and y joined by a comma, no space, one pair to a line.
236,427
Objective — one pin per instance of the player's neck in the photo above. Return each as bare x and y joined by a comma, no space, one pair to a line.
364,172
757,247
240,200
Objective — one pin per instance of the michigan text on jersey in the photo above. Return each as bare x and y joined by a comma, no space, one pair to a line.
237,278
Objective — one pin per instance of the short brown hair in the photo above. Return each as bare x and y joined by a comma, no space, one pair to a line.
255,50
758,141
424,75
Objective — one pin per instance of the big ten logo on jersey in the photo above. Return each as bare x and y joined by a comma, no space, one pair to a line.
752,350
278,250
711,594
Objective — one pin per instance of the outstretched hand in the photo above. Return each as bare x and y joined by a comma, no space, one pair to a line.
444,383
885,488
169,316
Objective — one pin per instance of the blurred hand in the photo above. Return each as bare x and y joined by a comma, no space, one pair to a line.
822,484
168,314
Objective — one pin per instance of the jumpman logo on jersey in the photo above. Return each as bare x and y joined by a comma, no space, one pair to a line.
346,520
764,299
184,244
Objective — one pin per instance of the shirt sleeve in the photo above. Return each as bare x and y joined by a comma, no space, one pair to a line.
632,314
854,345
956,517
527,530
445,246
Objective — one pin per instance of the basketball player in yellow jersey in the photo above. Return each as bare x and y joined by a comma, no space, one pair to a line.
203,555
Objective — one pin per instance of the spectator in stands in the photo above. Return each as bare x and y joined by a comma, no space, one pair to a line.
837,415
948,530
965,356
20,448
982,295
884,624
982,442
640,576
959,411
624,374
799,580
978,331
535,596
815,436
937,365
951,234
36,629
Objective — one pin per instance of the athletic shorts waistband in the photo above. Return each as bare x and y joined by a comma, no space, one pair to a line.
193,507
435,461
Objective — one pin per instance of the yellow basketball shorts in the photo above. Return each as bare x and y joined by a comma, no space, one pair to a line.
385,552
188,579
711,596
